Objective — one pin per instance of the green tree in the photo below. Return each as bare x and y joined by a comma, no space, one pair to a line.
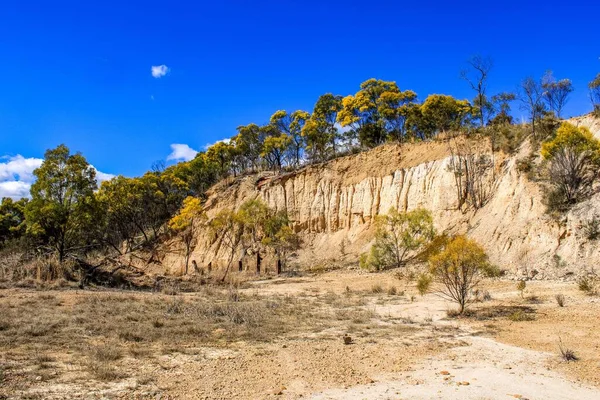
227,229
275,147
62,209
291,125
320,131
249,143
501,105
458,269
574,156
221,154
399,234
185,224
594,87
375,111
556,93
12,219
198,174
445,113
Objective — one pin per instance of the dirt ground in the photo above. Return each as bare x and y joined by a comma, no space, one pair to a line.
337,335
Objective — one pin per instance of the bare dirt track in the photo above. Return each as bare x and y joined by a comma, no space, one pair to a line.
337,335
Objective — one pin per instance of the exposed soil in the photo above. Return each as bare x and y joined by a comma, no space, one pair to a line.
338,335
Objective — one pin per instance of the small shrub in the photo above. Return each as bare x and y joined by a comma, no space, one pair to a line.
520,316
103,371
170,290
392,291
375,289
587,284
521,285
566,353
106,353
492,271
558,261
591,228
560,300
424,283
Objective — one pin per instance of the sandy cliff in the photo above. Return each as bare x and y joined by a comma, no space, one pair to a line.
335,202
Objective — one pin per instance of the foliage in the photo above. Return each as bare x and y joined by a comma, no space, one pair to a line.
594,87
275,148
424,283
556,93
444,113
591,228
62,211
574,156
399,234
253,227
377,111
521,285
12,219
588,284
458,269
320,131
184,223
290,126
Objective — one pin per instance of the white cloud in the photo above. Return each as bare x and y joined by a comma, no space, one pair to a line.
16,175
18,168
102,176
159,71
14,189
181,152
226,141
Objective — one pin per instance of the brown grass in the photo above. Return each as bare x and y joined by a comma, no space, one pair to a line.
103,333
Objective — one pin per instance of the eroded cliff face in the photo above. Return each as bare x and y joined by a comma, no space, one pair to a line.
336,202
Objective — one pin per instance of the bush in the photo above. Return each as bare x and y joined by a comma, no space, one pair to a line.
521,285
587,285
520,316
508,137
423,283
574,156
591,228
376,289
566,353
560,300
458,269
397,236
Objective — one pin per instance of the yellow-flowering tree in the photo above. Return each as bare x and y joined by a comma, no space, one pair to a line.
458,269
574,156
185,224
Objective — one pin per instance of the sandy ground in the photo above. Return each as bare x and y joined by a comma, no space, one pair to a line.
406,349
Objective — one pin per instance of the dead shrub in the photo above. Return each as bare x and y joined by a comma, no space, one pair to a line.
591,228
103,371
106,352
587,284
376,289
565,353
560,300
392,291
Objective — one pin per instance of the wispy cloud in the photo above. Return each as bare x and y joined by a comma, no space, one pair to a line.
158,71
16,175
181,152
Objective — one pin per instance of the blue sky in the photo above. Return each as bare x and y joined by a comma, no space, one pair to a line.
79,72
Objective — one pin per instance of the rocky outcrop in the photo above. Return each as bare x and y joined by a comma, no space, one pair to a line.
336,202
